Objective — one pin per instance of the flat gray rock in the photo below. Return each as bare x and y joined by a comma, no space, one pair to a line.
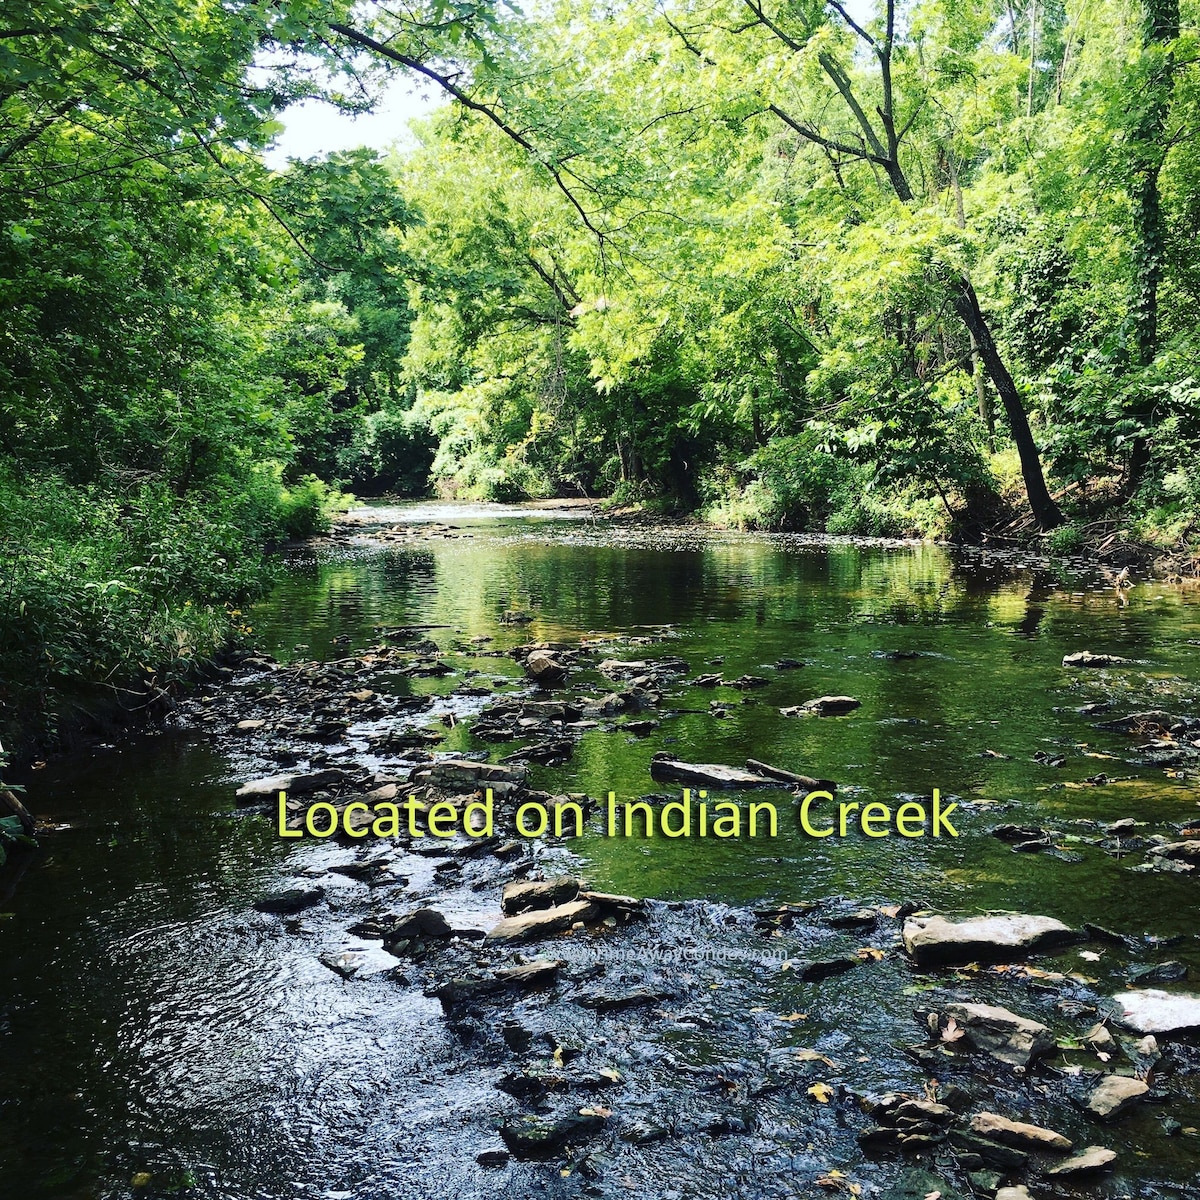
1094,1158
1180,851
543,922
521,896
1018,1133
714,775
935,941
1151,1010
1115,1095
1002,1034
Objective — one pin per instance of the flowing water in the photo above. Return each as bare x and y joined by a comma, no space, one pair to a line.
150,1021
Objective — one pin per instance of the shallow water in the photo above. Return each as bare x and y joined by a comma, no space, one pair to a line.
151,1021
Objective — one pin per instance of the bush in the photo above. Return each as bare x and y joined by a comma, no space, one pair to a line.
308,507
109,599
1066,539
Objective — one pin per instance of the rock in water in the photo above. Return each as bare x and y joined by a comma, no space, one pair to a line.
713,775
934,941
1018,1134
916,1184
258,790
1171,971
457,773
1188,852
531,974
1115,1095
290,901
1085,658
1152,1010
347,964
1094,1158
824,706
542,922
1000,1033
544,669
521,897
540,1137
421,922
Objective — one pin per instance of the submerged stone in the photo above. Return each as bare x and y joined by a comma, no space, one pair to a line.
916,1184
535,1137
289,901
824,706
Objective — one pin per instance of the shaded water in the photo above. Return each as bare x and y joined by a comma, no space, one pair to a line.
151,1021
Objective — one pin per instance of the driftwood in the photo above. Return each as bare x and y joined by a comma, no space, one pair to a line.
805,781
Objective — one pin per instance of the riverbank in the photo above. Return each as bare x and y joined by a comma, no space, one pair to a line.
112,605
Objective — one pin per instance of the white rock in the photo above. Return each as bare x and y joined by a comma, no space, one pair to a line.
935,940
1151,1010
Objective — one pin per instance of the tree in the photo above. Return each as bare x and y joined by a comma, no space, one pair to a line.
879,111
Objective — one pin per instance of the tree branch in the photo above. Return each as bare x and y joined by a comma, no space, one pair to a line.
862,33
810,134
448,85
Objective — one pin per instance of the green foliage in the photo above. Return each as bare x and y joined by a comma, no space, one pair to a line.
308,507
116,598
1066,539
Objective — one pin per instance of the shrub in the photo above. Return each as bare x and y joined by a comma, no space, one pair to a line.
309,506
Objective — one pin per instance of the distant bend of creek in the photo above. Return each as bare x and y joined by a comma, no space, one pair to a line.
158,1036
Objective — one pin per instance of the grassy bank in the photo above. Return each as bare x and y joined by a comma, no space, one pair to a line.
111,598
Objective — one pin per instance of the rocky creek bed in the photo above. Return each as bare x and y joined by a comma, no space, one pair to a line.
559,1038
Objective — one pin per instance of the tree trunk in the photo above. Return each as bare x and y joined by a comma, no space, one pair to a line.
1045,512
981,394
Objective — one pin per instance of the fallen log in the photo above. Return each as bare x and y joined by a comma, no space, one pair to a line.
805,781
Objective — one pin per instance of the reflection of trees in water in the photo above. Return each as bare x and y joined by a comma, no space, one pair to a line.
1042,587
